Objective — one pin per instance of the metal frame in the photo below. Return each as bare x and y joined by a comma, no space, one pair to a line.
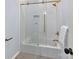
39,2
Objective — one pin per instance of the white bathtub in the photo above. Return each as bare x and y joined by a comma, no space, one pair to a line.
43,50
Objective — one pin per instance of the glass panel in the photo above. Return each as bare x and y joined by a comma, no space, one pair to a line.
39,27
33,23
32,26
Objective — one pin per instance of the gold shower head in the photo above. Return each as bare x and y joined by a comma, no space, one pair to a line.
55,3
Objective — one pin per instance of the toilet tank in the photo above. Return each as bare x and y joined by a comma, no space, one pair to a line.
63,36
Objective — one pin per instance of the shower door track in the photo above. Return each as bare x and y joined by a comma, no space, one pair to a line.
39,2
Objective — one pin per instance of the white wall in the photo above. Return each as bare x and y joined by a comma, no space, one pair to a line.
12,27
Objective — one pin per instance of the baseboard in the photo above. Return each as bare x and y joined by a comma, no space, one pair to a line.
15,55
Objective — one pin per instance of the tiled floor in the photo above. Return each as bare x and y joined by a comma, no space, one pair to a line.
30,56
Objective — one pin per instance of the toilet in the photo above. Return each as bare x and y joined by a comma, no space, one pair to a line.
63,39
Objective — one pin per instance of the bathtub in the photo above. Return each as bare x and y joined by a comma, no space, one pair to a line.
42,50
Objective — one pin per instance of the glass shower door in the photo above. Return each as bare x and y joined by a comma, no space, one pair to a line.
33,26
39,27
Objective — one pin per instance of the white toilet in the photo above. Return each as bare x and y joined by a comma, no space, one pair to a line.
63,39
